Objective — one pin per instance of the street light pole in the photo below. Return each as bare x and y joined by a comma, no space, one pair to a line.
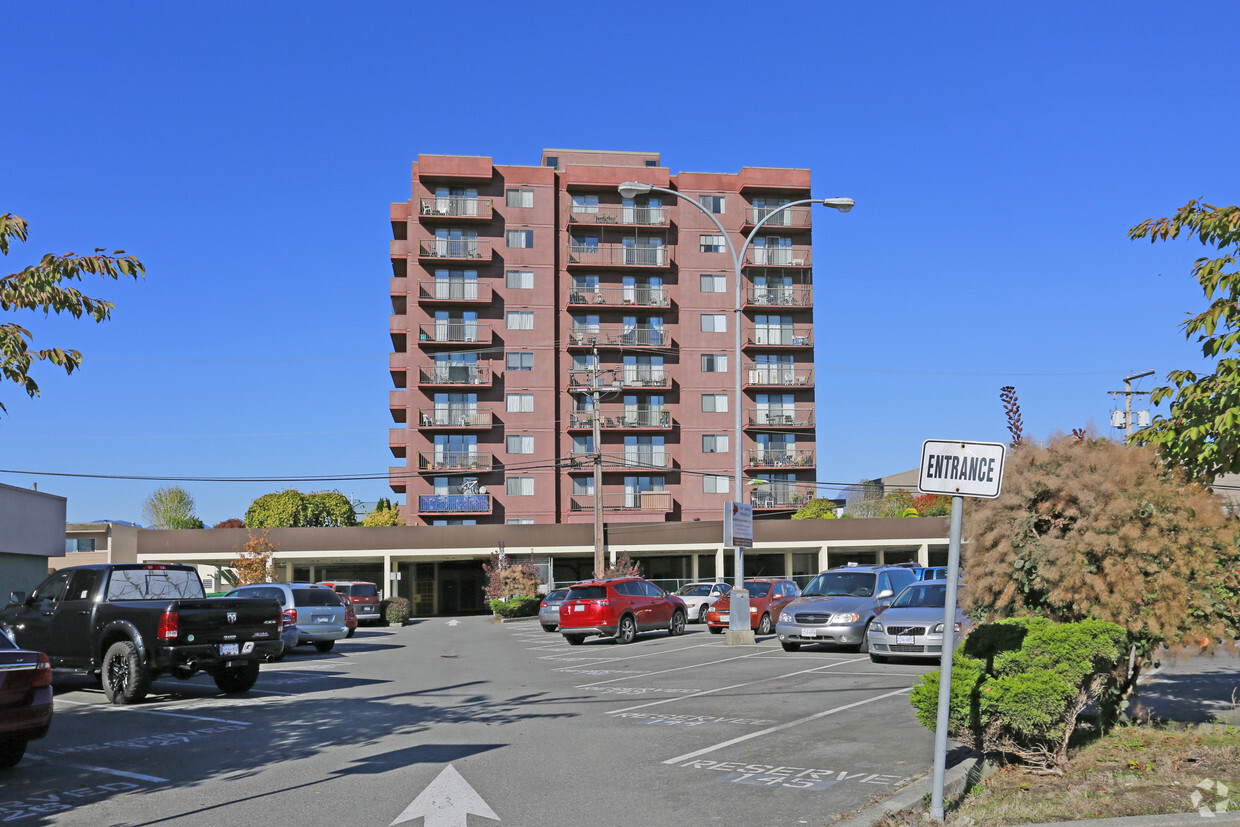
740,629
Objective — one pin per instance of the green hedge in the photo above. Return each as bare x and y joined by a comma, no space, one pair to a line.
1018,686
517,607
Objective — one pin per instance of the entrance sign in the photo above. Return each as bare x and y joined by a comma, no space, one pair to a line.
738,525
961,469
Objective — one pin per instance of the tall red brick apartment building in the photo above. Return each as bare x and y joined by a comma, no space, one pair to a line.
517,291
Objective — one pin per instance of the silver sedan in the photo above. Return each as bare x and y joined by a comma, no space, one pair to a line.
912,626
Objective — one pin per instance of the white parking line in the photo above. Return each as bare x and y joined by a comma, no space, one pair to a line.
112,708
650,654
134,775
665,671
789,725
725,688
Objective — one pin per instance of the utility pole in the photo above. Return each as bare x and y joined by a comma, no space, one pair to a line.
1129,393
598,471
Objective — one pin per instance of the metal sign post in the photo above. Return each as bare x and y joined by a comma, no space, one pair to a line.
738,535
959,469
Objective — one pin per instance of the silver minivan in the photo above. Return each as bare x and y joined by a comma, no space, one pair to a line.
317,611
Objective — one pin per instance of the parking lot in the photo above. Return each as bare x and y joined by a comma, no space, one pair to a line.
535,731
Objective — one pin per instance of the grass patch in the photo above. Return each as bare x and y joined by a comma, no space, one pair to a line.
1138,769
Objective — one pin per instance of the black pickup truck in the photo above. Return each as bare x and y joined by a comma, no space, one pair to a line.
130,623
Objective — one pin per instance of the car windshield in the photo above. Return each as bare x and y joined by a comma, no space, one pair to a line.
587,593
841,583
922,597
757,589
694,590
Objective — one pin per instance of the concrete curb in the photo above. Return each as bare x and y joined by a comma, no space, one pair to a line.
956,779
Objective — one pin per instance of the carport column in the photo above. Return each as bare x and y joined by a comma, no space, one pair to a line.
693,566
288,572
388,585
923,555
788,564
822,558
719,559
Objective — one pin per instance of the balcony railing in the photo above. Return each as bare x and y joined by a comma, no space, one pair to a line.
454,291
618,336
479,374
617,377
620,296
798,217
454,504
469,333
656,417
616,214
456,207
654,501
779,256
626,462
454,418
799,295
465,249
782,336
454,461
616,255
780,495
796,416
792,458
779,376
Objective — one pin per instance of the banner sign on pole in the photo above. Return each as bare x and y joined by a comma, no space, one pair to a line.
738,525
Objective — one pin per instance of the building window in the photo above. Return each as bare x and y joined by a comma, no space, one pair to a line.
552,161
72,546
520,238
709,244
519,402
714,323
583,486
519,361
714,403
714,203
714,443
519,279
716,484
714,363
713,283
521,444
519,486
651,163
519,198
519,521
519,320
585,203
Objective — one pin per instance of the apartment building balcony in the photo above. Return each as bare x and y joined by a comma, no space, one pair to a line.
788,337
794,459
798,296
398,403
619,296
595,256
397,476
454,292
621,462
460,208
780,496
620,216
778,376
471,250
437,504
448,376
455,462
640,501
618,376
431,334
454,419
613,336
796,218
795,257
784,418
641,418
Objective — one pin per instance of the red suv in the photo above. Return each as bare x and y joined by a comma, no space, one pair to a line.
364,596
619,608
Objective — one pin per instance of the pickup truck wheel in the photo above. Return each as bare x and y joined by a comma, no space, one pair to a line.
324,645
11,752
237,678
124,679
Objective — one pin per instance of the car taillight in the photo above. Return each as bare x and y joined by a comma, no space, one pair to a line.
542,605
290,617
43,671
168,625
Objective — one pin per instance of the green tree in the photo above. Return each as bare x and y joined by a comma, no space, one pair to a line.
170,507
818,508
1096,529
42,287
383,515
1201,430
293,509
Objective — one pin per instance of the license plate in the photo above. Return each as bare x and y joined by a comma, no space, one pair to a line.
579,608
723,615
230,649
809,633
905,640
322,618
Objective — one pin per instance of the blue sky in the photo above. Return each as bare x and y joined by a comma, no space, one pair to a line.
247,154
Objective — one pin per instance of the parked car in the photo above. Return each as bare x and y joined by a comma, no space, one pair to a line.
317,611
350,614
365,596
549,609
932,573
766,599
25,699
699,597
838,605
619,608
912,626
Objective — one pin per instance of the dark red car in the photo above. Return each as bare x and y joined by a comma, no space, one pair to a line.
766,599
619,608
25,699
350,615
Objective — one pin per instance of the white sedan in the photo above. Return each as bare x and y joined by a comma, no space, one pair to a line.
699,597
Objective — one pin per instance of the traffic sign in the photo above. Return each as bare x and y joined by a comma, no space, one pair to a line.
961,469
738,525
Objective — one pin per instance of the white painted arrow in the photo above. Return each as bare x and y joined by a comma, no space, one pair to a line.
446,802
453,623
